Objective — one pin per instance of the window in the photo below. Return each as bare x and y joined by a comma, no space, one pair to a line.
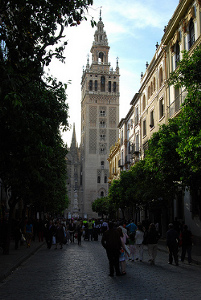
102,113
177,53
151,88
105,179
152,119
114,87
191,34
160,77
154,84
101,55
102,164
90,85
98,179
102,194
102,124
144,102
102,137
149,92
102,150
136,115
102,83
177,100
161,108
144,127
109,87
137,143
96,85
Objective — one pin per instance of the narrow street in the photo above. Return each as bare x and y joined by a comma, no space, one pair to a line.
81,272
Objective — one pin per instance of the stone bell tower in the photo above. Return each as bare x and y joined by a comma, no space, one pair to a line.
99,120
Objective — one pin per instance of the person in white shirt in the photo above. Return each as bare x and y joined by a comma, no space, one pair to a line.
139,236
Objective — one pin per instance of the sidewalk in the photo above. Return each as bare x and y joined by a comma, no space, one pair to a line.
9,263
196,251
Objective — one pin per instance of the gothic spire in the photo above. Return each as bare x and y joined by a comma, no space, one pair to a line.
73,141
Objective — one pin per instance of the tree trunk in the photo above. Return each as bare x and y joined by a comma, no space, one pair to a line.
6,248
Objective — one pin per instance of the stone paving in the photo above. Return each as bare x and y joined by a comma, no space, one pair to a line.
81,272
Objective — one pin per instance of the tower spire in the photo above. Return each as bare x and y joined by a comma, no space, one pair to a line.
73,141
100,19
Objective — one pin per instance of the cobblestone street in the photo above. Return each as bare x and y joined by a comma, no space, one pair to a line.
81,272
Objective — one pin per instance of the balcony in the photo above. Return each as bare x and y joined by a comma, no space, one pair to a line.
175,106
128,159
120,163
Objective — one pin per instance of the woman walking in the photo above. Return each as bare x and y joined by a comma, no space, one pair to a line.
139,237
152,240
123,253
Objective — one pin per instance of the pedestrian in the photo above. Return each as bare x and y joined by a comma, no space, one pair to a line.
139,237
28,233
17,233
131,242
104,226
90,230
72,228
112,243
79,232
123,253
96,230
186,242
49,233
59,235
152,240
131,227
172,237
40,230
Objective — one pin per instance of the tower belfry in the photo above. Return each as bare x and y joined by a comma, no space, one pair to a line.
99,119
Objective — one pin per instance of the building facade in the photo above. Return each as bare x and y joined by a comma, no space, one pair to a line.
99,120
156,102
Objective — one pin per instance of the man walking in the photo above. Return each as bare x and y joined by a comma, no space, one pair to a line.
112,243
172,244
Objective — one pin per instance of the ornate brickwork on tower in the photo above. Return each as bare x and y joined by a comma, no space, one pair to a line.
99,120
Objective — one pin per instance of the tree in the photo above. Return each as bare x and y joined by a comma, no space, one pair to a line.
188,76
33,106
101,206
163,161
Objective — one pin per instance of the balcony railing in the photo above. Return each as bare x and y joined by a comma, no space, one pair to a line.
128,159
120,163
175,106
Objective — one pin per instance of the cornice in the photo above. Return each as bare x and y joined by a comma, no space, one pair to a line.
174,22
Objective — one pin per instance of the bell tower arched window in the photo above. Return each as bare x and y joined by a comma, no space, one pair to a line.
101,56
90,85
102,83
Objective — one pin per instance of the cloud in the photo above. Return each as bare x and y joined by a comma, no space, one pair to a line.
132,28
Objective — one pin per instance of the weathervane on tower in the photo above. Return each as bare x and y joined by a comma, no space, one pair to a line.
100,14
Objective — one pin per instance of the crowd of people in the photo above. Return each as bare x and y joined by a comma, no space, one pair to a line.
122,240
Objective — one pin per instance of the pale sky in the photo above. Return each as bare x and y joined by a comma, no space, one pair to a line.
133,27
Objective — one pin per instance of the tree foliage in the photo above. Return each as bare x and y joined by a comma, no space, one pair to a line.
101,206
33,106
188,75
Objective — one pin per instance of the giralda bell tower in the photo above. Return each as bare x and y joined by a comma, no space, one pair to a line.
99,120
